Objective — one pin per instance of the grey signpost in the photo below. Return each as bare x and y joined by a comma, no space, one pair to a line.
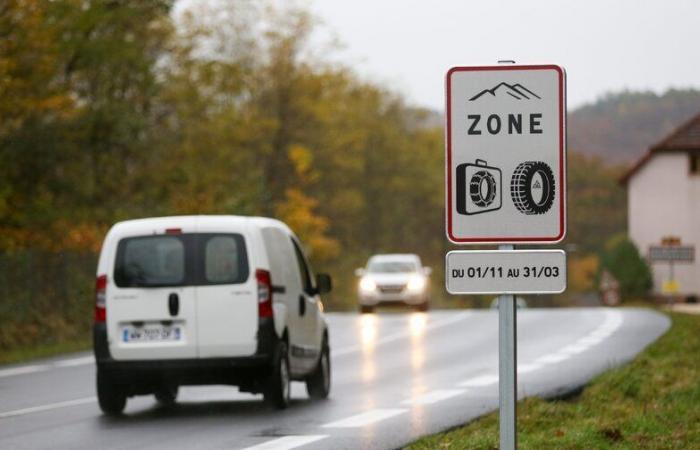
507,368
505,184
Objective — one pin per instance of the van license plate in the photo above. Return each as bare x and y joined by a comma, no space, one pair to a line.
151,333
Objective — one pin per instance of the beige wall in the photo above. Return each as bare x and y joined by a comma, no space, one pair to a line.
664,200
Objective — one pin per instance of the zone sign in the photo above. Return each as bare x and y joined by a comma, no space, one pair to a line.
506,162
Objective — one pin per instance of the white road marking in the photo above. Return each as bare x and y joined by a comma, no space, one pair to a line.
552,358
590,340
364,419
574,349
288,442
483,380
433,396
22,370
75,362
613,320
402,334
50,406
527,368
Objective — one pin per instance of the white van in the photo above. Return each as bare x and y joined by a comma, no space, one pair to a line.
194,300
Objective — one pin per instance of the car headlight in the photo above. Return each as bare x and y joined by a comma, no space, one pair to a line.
416,284
367,284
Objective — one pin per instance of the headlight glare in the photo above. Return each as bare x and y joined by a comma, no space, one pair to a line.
367,284
416,284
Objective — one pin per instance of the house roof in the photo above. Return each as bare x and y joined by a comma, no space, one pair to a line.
685,138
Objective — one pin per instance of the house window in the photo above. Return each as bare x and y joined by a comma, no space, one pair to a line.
695,164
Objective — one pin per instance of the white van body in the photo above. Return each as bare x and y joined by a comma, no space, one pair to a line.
185,293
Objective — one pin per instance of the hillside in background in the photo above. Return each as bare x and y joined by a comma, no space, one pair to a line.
620,127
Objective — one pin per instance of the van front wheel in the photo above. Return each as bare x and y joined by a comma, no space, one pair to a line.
277,389
110,396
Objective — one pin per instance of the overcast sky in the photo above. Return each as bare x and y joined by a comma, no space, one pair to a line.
603,45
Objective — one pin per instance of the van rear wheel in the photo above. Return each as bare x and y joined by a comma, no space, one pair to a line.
110,396
166,394
318,384
277,389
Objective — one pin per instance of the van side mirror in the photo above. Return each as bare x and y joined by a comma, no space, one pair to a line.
324,283
359,272
427,270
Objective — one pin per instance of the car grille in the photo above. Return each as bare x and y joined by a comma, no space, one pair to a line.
391,289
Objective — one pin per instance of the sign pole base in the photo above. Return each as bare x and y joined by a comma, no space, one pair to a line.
507,368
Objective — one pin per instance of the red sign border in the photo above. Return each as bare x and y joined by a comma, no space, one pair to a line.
562,158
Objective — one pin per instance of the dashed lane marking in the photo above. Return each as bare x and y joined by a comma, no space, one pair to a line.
480,381
288,442
49,407
366,418
22,370
433,396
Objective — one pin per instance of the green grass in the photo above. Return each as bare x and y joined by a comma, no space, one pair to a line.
651,403
43,351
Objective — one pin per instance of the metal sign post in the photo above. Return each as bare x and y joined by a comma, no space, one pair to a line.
507,368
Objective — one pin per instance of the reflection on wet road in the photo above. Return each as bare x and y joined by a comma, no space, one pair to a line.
396,376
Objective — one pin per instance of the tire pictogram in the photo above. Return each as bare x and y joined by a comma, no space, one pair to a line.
482,188
532,187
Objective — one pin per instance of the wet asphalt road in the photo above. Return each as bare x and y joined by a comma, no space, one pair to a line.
396,377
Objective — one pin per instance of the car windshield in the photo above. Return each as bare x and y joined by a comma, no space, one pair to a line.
391,266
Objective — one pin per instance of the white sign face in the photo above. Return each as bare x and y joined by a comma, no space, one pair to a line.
506,154
506,272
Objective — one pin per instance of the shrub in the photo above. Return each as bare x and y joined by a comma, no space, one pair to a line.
622,259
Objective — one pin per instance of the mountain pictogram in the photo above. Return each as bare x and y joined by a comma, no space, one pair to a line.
517,91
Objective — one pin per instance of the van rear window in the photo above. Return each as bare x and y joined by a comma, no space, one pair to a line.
153,261
221,259
181,260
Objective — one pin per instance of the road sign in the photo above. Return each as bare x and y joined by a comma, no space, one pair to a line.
506,272
663,253
505,144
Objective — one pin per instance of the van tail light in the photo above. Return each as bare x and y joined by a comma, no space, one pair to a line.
101,299
264,293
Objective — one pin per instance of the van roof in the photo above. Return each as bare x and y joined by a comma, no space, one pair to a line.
158,223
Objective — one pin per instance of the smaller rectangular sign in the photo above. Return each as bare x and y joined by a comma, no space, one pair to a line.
672,253
506,272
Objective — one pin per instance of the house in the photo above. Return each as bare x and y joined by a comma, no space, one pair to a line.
663,206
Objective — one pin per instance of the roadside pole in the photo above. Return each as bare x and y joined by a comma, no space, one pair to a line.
507,368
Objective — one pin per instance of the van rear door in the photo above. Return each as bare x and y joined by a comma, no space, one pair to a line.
227,304
151,312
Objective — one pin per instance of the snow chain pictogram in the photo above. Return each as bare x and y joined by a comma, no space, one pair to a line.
521,187
480,180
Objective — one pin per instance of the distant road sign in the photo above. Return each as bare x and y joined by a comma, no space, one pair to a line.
506,272
661,253
506,133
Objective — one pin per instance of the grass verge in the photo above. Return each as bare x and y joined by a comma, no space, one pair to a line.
43,351
651,403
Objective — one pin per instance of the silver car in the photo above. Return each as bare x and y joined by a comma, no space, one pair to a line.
393,279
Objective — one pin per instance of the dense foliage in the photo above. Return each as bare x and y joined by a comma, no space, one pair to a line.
122,109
